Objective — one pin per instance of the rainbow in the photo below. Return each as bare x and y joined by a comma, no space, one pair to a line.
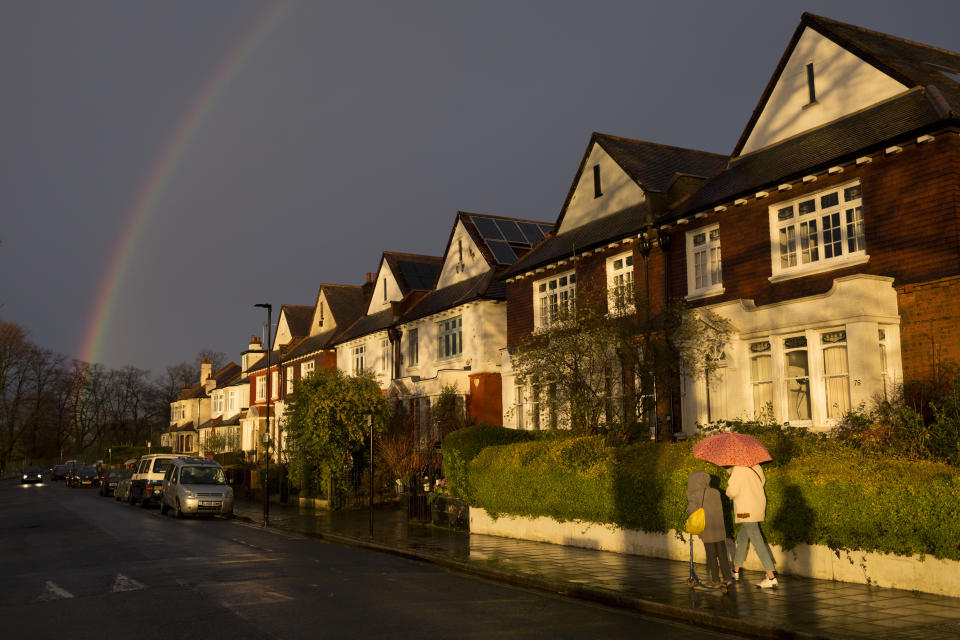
144,206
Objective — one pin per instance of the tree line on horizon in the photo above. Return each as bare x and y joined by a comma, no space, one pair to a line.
54,408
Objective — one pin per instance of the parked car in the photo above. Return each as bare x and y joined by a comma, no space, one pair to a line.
122,491
59,472
110,478
84,476
193,486
31,473
146,485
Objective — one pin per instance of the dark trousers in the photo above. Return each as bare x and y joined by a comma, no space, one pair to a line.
717,559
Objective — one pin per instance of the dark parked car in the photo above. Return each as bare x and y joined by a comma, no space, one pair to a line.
110,478
31,473
84,476
59,472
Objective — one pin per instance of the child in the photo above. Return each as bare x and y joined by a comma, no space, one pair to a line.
700,494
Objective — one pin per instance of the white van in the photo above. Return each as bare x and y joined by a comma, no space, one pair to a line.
194,486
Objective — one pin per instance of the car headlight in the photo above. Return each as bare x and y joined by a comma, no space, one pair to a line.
189,494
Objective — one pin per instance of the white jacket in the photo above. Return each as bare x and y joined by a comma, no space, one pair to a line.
745,488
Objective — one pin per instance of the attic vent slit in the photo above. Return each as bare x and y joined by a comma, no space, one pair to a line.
811,88
597,191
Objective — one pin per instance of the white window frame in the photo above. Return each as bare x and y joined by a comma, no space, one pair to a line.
358,358
704,262
306,368
801,231
275,383
384,355
450,338
553,295
289,379
261,388
231,400
413,347
620,287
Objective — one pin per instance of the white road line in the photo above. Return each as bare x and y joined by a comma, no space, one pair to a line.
53,592
252,546
123,583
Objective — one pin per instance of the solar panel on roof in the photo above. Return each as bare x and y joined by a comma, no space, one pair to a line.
488,228
511,231
531,231
419,275
502,251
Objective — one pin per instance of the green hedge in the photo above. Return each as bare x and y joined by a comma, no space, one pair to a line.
463,445
820,492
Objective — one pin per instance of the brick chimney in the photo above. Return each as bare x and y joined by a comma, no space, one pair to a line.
367,288
205,370
252,355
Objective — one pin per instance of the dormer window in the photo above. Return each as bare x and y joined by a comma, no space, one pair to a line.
811,87
597,190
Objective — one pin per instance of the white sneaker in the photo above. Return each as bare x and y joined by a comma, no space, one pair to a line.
735,575
768,583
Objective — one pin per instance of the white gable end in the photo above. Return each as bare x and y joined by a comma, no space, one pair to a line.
385,291
322,318
463,259
618,191
284,335
843,84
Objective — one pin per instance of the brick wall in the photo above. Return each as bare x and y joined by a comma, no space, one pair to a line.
911,205
929,327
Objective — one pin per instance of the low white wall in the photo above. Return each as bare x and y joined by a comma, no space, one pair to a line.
926,574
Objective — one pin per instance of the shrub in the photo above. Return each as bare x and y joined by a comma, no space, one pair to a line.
462,446
823,493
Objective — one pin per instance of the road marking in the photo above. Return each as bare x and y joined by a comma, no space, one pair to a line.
252,546
123,583
53,592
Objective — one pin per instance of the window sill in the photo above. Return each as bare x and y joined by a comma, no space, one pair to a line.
452,360
828,266
706,293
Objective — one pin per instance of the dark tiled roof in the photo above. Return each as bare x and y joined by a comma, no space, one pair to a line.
593,234
346,302
196,391
655,166
184,427
309,345
912,63
261,364
233,421
298,319
226,375
366,325
412,271
485,286
817,149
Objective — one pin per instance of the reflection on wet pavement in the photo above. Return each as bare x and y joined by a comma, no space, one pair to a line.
821,607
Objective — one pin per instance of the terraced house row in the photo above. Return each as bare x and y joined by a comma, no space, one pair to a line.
829,239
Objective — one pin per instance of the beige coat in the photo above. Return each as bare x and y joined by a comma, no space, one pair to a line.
745,488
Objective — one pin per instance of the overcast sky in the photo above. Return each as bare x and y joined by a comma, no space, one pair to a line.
342,130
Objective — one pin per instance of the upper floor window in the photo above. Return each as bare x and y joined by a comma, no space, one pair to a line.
274,385
232,401
261,388
449,338
320,310
817,232
289,376
620,283
306,368
358,358
554,298
704,266
413,347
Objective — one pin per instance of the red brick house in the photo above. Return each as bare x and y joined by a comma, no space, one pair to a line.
838,214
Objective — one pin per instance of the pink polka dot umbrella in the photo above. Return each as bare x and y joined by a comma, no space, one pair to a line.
731,450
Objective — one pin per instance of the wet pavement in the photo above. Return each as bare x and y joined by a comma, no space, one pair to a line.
799,607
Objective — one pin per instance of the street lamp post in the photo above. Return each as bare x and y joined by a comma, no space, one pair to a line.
370,425
266,435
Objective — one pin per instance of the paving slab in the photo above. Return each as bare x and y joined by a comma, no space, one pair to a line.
799,608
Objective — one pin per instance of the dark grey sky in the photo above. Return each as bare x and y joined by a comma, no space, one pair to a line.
350,129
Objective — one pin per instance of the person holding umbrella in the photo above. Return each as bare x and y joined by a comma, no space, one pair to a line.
745,487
